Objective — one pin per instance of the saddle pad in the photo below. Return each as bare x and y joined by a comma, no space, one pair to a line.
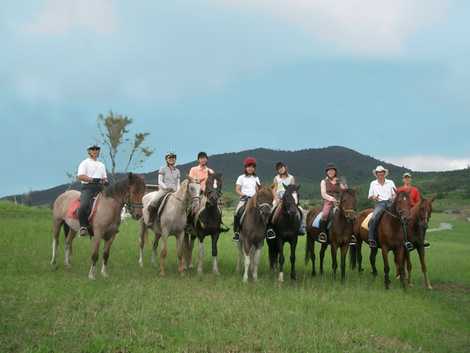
365,223
72,211
163,203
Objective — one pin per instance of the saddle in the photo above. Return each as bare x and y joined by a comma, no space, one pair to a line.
240,216
277,211
160,205
72,211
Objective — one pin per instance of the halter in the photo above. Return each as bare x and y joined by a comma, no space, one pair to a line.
263,205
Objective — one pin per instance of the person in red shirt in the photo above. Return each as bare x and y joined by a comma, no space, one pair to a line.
415,195
408,187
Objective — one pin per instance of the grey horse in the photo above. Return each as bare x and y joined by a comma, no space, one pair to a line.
172,221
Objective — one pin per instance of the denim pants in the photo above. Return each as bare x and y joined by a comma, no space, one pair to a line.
379,209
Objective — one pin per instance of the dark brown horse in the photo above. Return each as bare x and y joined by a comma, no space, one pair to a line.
252,231
286,223
207,221
105,222
418,225
339,235
391,236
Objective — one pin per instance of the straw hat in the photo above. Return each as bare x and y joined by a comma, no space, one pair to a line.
380,169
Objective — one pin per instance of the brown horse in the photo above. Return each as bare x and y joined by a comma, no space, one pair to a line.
420,216
253,229
105,222
339,235
391,236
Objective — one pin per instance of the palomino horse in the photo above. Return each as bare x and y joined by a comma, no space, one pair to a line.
206,221
172,221
339,234
105,222
253,229
391,236
286,223
420,215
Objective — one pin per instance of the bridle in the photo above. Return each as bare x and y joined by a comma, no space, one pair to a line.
350,213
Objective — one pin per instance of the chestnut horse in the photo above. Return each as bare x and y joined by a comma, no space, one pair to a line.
361,235
420,215
339,234
253,229
105,222
391,236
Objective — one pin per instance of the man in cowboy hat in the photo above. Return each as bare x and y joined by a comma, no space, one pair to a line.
92,175
169,178
382,191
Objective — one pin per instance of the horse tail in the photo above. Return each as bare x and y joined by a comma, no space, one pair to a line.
353,255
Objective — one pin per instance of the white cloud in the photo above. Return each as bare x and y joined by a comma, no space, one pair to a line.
62,16
429,163
370,27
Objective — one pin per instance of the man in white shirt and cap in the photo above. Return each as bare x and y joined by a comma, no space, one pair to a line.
382,191
92,174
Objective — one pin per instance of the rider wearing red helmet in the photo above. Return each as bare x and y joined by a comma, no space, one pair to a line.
246,187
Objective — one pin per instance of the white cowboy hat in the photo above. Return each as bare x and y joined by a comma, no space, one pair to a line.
380,169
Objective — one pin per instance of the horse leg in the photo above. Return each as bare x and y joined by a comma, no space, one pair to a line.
256,258
246,254
409,267
422,260
68,246
344,253
95,248
179,252
359,256
372,258
200,258
142,236
155,248
107,249
293,272
190,255
386,267
400,260
187,249
215,264
56,225
280,245
163,253
334,260
312,256
322,256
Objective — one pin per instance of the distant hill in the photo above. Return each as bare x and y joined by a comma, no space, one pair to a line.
307,165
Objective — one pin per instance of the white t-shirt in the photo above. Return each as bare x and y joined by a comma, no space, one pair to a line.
248,184
385,192
280,182
92,169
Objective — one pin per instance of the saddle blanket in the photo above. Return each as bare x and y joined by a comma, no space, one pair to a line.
365,223
72,211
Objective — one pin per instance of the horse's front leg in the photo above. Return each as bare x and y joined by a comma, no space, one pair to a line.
256,258
247,260
409,267
344,253
95,248
142,236
163,253
155,248
200,258
293,246
107,249
322,256
68,246
372,259
56,226
179,252
400,260
359,255
422,260
215,262
334,260
280,246
386,267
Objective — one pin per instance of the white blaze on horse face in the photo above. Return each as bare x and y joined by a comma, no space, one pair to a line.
296,197
215,184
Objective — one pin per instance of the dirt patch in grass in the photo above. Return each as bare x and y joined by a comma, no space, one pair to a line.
452,287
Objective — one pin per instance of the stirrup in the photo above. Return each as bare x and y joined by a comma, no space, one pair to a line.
409,246
372,244
323,238
426,244
270,234
353,240
236,236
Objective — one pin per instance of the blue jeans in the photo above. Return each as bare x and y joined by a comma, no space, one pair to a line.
378,211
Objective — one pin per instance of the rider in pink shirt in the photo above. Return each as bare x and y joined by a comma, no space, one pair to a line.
201,171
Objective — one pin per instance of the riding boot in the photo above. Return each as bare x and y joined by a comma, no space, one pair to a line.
323,236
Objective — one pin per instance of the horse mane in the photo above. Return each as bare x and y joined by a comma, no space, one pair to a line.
263,192
118,188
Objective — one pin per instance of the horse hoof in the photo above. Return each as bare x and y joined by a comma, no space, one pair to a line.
141,264
281,277
293,277
217,273
104,274
162,274
429,287
91,277
245,279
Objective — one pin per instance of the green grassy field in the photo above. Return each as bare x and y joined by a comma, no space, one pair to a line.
46,310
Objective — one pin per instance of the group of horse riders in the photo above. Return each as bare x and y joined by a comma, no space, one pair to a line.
92,175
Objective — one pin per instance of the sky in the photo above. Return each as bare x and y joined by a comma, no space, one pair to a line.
387,78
